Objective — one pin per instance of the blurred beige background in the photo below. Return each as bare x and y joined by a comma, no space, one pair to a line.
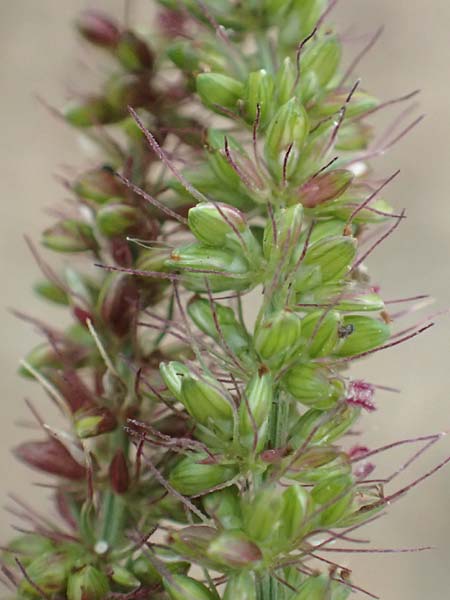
39,55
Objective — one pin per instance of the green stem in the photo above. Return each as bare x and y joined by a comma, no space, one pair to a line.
114,510
267,588
279,421
114,505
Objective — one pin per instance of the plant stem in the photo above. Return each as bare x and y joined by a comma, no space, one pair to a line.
267,588
279,421
113,518
114,506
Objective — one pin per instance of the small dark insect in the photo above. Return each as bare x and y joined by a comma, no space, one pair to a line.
345,330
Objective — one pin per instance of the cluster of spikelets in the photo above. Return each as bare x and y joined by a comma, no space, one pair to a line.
193,439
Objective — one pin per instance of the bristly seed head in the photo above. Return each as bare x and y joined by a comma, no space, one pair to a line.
184,414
